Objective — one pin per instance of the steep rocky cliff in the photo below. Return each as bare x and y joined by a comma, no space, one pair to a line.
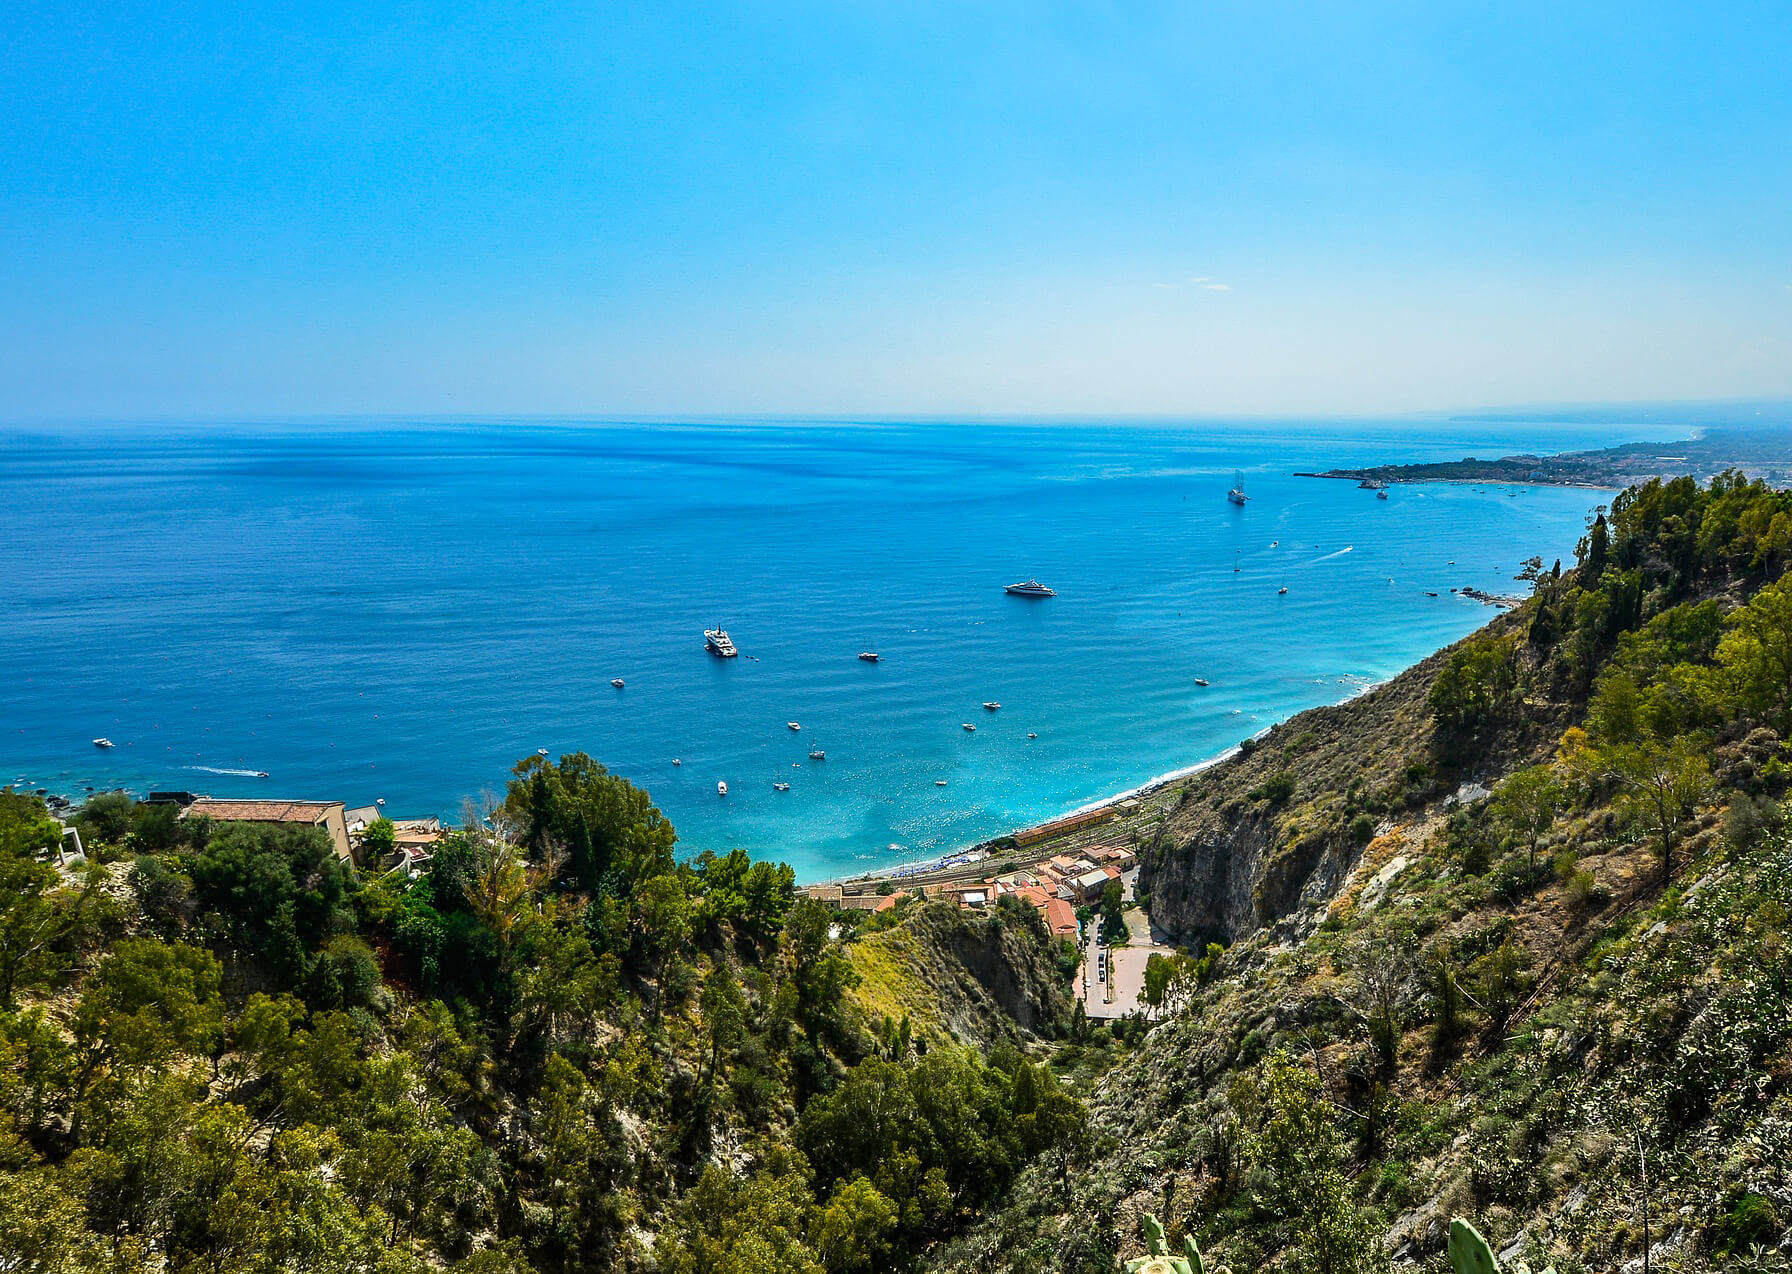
972,978
1276,829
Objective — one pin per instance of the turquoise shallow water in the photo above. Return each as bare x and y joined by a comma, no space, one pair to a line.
402,612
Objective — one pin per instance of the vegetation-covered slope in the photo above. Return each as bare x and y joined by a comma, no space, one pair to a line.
221,1050
1553,1009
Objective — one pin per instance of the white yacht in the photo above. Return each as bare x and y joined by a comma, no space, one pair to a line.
617,682
818,755
716,641
1236,494
1030,588
793,725
722,788
102,742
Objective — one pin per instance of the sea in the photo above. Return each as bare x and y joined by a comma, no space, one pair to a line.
400,611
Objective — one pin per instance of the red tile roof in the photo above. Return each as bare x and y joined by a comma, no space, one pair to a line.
260,811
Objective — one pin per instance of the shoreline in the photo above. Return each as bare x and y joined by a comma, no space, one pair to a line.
923,871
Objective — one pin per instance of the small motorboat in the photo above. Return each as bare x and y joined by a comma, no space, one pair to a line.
1381,495
1282,590
782,787
939,782
1031,735
380,801
541,751
676,761
1201,681
969,728
103,742
1429,593
793,725
869,656
261,774
818,755
617,682
722,787
991,706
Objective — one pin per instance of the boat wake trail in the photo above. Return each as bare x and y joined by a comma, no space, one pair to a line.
242,774
1348,548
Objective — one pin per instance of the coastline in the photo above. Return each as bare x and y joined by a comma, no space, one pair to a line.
929,870
952,862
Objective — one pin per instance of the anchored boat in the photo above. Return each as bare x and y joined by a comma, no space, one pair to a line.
717,642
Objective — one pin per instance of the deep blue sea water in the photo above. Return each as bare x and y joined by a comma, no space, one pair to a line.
375,611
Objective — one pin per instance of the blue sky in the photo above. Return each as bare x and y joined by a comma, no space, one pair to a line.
880,208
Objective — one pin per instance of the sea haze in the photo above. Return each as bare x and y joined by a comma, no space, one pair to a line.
403,612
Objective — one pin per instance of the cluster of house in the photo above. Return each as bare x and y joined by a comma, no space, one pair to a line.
1057,886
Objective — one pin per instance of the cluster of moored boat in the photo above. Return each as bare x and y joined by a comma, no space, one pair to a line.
718,643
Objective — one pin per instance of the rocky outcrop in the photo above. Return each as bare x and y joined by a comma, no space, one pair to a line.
972,977
1270,831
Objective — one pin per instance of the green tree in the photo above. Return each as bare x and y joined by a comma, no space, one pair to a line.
1113,914
378,840
751,1225
1526,805
854,1233
30,921
1297,1172
1757,654
1659,786
106,818
598,823
276,884
1473,686
724,1015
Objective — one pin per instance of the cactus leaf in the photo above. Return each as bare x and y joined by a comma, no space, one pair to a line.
1469,1253
1154,1236
1192,1255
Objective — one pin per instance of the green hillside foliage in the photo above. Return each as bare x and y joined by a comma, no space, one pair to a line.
1560,1017
563,1049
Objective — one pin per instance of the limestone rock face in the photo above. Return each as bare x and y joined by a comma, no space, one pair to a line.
1268,832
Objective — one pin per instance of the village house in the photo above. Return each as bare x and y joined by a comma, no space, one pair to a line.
1123,857
1088,887
325,814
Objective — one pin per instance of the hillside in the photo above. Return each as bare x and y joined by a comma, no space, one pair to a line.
1507,942
222,1049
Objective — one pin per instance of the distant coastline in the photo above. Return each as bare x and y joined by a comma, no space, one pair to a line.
1758,453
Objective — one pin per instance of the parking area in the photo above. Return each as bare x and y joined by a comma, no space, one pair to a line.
1117,994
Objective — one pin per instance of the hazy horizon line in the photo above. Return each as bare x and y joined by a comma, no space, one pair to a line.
1667,413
